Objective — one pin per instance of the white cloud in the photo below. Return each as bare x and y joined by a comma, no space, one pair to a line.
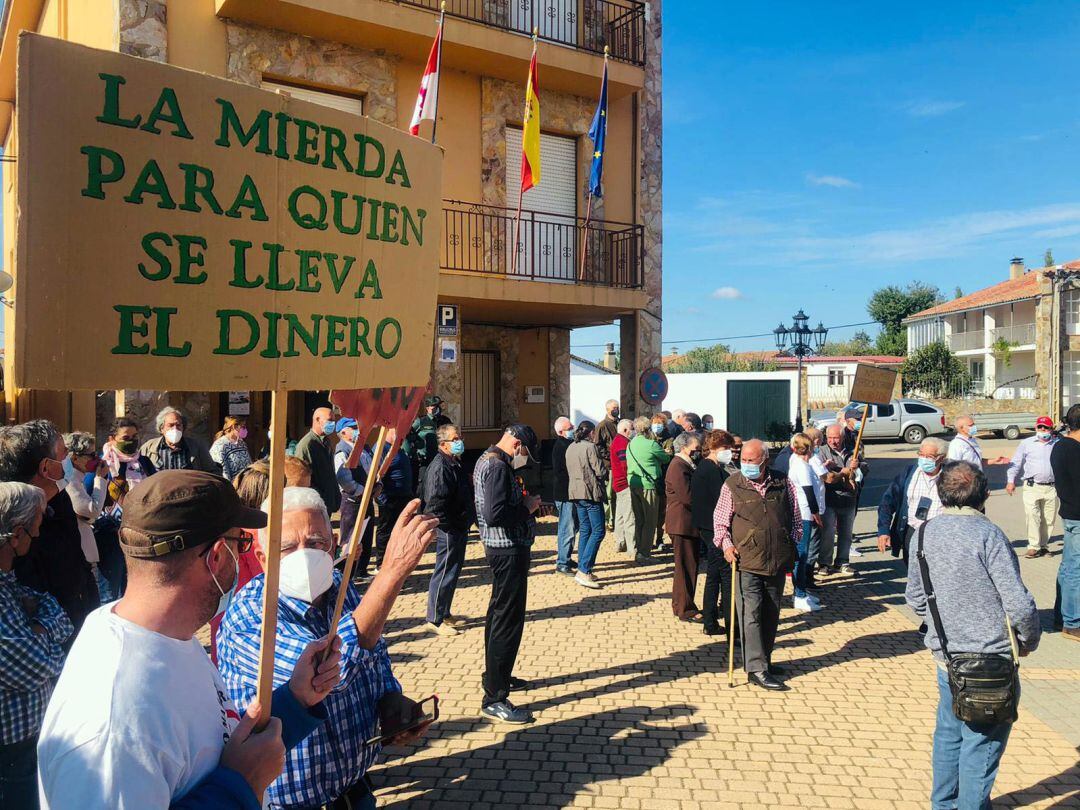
727,293
931,109
832,180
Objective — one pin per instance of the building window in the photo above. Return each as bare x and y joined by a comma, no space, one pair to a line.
338,101
1072,312
480,405
1070,379
836,377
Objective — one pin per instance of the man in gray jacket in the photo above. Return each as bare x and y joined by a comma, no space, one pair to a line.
975,579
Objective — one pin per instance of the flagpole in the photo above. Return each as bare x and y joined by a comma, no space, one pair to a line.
521,185
435,120
588,206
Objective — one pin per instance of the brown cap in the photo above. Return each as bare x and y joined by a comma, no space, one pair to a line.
178,509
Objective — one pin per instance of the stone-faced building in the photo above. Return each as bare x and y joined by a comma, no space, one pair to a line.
1019,339
366,56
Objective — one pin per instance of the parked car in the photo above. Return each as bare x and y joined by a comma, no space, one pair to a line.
910,419
1008,425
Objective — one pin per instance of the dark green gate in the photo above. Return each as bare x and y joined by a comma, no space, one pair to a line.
759,409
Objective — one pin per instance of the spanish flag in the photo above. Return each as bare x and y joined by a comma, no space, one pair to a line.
530,130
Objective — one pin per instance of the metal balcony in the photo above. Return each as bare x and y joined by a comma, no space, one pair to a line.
588,25
478,238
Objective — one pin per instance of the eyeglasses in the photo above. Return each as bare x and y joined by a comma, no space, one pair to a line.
243,543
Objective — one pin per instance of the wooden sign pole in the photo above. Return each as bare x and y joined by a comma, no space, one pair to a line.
862,427
365,502
272,550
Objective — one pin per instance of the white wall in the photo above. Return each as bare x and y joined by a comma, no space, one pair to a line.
700,393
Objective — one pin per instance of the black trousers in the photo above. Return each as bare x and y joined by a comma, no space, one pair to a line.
389,512
350,512
505,620
717,595
761,616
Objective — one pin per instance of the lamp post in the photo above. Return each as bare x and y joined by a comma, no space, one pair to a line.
804,342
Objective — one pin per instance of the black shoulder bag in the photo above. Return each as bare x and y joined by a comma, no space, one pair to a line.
985,687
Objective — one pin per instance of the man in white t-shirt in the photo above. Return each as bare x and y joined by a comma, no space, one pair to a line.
965,447
139,717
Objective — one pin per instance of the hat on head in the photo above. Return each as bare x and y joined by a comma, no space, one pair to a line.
346,422
175,510
431,400
526,435
1044,421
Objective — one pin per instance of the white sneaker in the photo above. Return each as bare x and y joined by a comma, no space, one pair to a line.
442,629
587,581
804,605
854,552
846,569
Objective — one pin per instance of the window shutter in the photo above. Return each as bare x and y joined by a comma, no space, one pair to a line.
349,104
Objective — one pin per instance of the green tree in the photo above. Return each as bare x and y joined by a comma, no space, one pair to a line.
934,371
1048,258
706,359
958,293
860,343
890,305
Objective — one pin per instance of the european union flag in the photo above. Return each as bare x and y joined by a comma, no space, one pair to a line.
598,135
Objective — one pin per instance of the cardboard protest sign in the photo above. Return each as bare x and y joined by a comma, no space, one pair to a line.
873,385
182,231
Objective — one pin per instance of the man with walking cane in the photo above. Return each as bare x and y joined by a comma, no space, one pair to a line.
758,524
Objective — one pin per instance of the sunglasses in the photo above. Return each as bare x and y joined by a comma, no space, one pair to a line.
243,543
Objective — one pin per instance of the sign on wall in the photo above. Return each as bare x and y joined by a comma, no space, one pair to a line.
448,320
180,230
653,385
873,385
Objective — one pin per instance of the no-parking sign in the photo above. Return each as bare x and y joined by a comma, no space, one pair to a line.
653,385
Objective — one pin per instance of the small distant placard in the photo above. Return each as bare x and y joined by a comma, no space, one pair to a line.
447,350
448,320
873,385
239,403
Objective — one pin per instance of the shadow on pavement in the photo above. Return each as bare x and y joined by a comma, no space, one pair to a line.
1065,787
542,765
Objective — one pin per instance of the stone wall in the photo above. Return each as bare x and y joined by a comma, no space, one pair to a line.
143,29
143,407
254,52
559,385
955,407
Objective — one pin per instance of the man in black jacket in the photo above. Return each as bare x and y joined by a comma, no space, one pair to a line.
1065,461
447,494
564,431
34,453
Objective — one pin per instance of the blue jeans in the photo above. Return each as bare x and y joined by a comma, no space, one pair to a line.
590,515
1068,578
449,557
966,757
567,526
801,578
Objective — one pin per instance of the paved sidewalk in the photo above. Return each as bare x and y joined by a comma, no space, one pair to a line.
633,708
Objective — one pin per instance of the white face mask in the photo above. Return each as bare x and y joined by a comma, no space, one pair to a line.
306,574
226,595
174,435
723,457
519,462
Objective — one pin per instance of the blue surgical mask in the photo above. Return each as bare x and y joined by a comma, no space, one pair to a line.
457,447
750,470
226,596
568,433
972,431
858,424
657,429
1044,436
927,465
707,425
329,428
69,469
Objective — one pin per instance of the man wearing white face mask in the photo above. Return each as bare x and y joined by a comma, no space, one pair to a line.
174,449
965,447
139,716
34,453
328,768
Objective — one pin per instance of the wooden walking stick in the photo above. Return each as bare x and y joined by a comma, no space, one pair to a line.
731,629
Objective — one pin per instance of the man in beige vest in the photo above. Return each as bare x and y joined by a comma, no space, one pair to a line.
757,522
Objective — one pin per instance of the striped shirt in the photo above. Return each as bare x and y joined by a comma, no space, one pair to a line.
334,757
29,662
922,486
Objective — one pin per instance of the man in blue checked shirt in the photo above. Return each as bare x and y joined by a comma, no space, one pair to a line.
33,629
328,769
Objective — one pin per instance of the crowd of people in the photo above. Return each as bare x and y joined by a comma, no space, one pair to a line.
112,561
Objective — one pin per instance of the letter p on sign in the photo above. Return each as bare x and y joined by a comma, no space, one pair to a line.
448,320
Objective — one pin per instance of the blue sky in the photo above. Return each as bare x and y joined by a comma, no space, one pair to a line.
814,151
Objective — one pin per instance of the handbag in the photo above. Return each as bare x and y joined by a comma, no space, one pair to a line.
985,687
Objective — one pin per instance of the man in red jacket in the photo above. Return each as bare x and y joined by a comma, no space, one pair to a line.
624,510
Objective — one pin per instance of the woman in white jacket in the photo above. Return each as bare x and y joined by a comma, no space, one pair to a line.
811,493
87,503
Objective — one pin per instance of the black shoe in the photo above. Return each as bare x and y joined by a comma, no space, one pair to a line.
562,569
765,681
572,565
518,684
775,671
506,712
712,629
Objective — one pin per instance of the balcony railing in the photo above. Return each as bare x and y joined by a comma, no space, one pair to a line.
961,341
1022,334
478,238
589,25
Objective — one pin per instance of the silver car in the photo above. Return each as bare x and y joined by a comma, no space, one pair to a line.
910,419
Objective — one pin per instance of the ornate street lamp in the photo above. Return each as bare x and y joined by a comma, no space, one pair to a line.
804,342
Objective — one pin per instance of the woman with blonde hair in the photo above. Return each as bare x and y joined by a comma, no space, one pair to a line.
229,449
811,494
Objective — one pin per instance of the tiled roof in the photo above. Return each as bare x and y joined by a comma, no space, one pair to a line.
873,359
579,359
1013,289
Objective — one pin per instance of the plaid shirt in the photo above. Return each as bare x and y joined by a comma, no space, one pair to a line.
334,757
922,486
725,511
29,663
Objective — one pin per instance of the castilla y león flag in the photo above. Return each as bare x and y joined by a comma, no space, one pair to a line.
530,130
427,100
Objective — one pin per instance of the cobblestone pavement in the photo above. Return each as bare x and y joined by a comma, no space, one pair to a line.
634,711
